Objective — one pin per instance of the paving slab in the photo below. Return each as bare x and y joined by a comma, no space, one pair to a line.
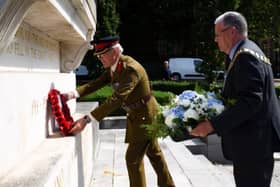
185,168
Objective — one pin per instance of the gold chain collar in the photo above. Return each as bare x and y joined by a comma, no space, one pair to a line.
246,50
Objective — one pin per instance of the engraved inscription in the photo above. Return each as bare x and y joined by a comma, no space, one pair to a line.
38,106
35,45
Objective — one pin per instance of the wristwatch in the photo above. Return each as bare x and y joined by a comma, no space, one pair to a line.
87,118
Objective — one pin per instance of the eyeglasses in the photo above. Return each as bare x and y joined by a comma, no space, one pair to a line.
223,30
99,56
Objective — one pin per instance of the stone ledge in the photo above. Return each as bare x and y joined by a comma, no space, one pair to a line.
40,165
62,161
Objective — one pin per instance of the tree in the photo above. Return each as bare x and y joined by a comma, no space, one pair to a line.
162,29
108,22
154,30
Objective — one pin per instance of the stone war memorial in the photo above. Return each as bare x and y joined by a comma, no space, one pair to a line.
41,43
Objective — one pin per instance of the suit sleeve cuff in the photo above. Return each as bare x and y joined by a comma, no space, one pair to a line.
215,127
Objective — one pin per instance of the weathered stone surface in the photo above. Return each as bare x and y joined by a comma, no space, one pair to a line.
41,42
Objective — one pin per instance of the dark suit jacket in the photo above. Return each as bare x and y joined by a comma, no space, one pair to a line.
130,84
249,128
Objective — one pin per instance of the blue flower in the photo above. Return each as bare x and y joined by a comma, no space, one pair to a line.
178,111
191,105
212,102
188,94
184,113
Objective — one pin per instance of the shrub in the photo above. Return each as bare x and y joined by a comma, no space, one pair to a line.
277,89
163,91
178,87
101,95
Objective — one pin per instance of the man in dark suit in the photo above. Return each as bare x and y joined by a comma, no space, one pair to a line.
250,127
132,92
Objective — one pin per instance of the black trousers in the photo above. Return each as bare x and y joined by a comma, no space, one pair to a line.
254,174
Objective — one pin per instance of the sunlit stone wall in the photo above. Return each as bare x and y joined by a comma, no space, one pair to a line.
41,42
29,68
31,51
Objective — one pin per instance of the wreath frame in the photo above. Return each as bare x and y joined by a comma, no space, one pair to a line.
60,111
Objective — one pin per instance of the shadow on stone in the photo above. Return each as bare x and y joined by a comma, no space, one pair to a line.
113,122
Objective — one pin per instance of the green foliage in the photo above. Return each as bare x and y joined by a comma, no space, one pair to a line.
277,89
157,128
108,19
163,91
191,24
163,97
263,18
101,95
108,22
177,87
215,86
178,128
230,102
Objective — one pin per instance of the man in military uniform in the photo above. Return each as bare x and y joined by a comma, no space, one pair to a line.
250,127
132,92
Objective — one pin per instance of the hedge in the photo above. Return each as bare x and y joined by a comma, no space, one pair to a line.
163,91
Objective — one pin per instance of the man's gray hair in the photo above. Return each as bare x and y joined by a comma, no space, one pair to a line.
235,19
119,47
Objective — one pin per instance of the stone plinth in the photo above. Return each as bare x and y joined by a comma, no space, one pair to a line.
24,112
61,161
41,43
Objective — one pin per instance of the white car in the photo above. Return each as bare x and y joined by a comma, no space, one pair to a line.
184,68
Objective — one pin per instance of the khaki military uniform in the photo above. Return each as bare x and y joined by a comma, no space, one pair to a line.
132,91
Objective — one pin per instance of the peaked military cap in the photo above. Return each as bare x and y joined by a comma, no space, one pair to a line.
102,45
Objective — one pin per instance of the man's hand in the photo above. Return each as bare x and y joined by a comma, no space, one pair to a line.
78,126
202,129
69,95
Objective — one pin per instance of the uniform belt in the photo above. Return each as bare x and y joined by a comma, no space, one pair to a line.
138,104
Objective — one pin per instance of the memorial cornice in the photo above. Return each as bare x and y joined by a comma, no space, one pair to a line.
72,23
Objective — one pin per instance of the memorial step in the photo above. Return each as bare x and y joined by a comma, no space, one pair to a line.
224,176
198,171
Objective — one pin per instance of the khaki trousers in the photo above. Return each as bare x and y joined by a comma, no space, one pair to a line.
135,164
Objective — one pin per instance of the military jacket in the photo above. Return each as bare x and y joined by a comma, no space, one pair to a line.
130,82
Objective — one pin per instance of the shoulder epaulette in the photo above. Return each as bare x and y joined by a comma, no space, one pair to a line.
253,53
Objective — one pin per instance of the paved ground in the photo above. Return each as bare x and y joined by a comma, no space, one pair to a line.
110,168
276,172
185,168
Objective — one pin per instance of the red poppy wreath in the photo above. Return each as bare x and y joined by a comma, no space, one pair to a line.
60,111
